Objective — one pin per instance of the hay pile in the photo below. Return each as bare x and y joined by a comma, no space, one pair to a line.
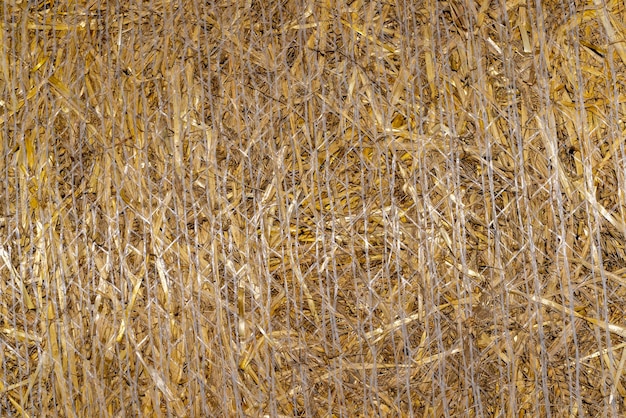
299,208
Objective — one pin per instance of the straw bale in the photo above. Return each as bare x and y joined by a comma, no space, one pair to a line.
299,208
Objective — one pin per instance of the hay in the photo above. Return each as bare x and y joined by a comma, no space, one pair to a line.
312,208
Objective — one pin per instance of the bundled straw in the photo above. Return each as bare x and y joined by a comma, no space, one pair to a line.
300,208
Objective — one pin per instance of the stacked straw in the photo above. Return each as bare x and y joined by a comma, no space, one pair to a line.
324,209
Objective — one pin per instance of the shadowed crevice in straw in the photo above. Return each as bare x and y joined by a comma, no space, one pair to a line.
312,209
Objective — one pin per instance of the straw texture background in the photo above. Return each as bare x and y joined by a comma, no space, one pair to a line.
312,208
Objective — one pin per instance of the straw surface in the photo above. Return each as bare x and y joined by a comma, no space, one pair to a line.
324,209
